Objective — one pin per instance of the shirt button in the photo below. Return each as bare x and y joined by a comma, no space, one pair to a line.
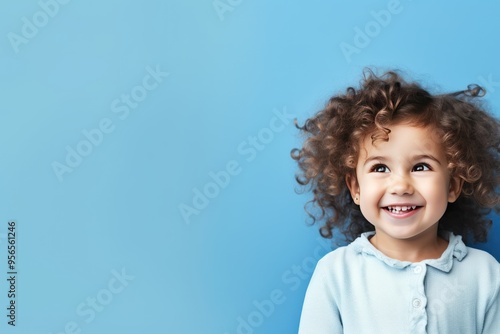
416,303
417,269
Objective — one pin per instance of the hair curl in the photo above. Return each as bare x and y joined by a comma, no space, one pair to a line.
470,138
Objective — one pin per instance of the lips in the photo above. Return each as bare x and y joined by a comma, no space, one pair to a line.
401,211
397,209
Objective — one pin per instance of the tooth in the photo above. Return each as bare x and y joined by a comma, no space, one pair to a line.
398,208
414,207
404,208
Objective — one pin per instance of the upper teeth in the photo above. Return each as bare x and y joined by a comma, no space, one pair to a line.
401,208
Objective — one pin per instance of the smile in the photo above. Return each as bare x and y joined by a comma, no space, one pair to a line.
400,209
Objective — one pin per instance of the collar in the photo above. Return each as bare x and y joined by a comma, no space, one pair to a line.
456,249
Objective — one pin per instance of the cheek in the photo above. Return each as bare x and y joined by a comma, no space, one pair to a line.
369,210
439,197
370,197
371,188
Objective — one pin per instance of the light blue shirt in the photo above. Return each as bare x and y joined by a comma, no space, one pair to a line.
357,289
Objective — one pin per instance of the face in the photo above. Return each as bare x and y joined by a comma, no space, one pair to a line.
403,185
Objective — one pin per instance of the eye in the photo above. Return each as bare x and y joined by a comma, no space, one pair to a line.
421,167
379,168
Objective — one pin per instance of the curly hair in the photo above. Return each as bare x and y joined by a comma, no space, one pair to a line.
470,138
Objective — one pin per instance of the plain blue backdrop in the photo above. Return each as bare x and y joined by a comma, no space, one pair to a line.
146,149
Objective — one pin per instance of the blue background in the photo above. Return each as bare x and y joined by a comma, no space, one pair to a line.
230,71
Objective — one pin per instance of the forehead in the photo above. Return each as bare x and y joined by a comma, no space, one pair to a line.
404,139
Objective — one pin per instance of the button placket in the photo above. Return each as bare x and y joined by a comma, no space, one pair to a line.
417,269
418,301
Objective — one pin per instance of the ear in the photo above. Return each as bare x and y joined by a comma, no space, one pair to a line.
353,185
456,184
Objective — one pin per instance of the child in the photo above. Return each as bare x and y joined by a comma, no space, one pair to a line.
408,175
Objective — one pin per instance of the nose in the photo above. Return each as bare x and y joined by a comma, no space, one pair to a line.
400,184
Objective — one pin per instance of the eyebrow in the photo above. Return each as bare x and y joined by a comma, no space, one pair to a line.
415,157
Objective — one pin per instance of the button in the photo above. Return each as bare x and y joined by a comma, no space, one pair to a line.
416,303
417,269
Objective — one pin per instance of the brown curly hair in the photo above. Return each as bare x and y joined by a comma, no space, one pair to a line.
470,137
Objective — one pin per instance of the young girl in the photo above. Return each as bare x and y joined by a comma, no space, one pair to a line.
407,177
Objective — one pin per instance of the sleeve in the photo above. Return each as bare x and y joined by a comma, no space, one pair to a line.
492,317
320,314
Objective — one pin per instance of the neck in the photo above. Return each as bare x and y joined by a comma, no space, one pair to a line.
416,249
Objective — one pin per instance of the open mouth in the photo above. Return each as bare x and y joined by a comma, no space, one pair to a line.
401,209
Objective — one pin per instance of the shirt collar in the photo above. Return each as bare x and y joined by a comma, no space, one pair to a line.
456,249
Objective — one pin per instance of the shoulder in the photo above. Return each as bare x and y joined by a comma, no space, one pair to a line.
481,258
467,260
482,264
482,272
333,263
334,257
471,263
341,257
352,252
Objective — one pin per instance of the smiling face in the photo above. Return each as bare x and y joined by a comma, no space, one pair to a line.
403,185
